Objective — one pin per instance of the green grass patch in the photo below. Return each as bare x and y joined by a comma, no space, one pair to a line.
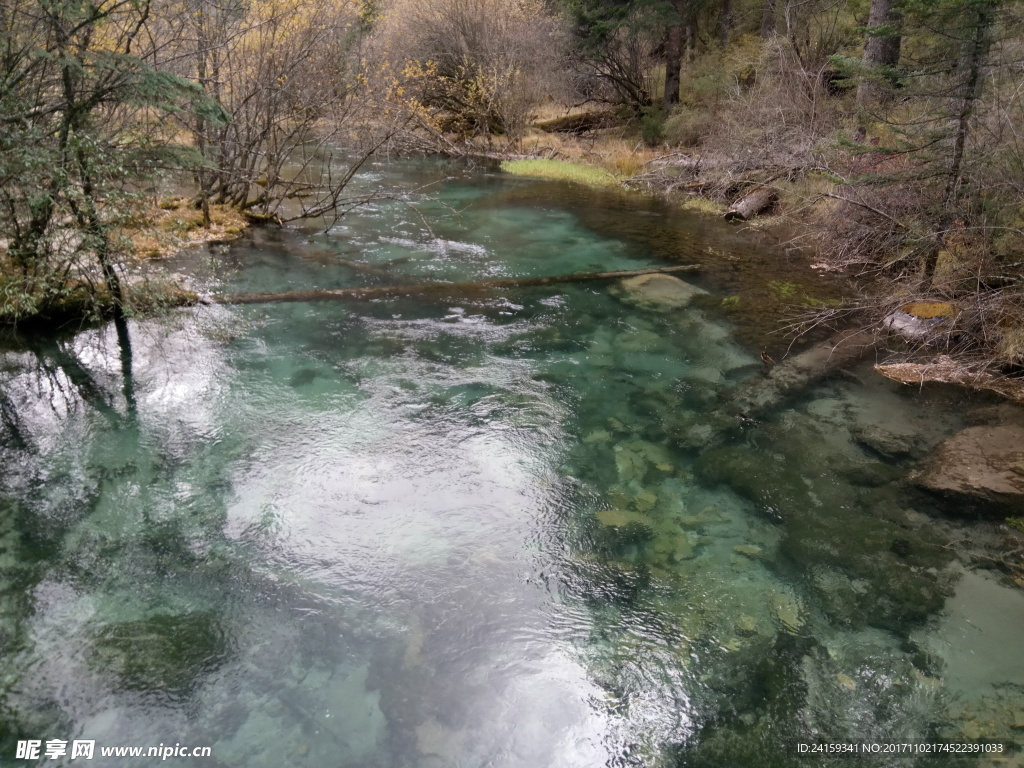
560,171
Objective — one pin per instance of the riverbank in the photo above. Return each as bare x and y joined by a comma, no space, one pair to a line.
947,327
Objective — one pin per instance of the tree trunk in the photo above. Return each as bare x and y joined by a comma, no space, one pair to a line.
202,46
882,49
973,59
446,289
748,206
768,19
725,23
673,63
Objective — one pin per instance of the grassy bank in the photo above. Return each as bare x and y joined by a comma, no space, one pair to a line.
560,170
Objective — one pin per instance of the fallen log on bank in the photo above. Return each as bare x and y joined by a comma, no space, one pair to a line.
387,291
751,204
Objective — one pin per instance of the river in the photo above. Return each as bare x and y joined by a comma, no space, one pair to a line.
469,531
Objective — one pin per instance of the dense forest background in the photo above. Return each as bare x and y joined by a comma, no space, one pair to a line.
890,132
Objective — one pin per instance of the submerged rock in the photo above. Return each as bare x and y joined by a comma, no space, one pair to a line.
658,292
774,486
645,501
674,548
979,463
621,518
598,436
787,611
884,442
629,464
161,653
746,626
838,530
846,681
747,550
994,415
872,475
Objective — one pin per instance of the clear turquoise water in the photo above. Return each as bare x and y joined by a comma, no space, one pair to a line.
462,532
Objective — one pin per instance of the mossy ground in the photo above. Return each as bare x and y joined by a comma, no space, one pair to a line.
176,223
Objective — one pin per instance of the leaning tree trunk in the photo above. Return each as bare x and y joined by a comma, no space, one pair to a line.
882,49
748,206
974,59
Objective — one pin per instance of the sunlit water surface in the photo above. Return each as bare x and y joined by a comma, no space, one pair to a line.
461,531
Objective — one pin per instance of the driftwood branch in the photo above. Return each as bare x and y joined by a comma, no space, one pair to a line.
946,370
386,291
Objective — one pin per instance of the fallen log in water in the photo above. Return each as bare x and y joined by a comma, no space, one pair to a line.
757,397
748,206
797,373
386,291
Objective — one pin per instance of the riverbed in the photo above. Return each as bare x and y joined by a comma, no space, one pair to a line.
471,530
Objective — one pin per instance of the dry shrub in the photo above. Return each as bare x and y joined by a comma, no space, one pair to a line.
879,228
284,71
783,117
482,66
806,192
758,115
711,80
615,58
688,127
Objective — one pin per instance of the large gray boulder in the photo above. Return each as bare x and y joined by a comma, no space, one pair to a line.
979,463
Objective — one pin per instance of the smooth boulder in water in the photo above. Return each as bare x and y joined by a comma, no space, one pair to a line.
658,292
